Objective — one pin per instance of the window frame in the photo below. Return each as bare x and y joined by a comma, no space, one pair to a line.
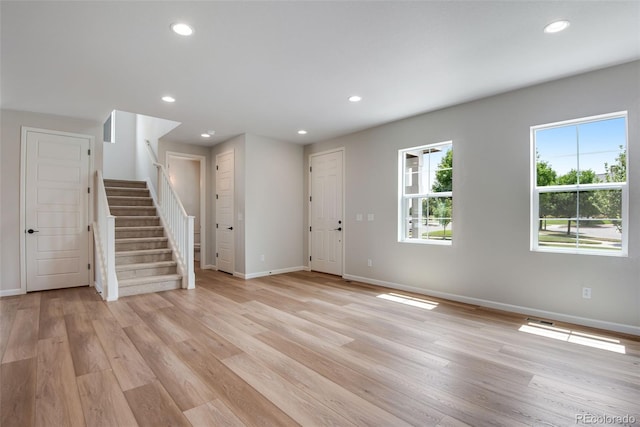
536,191
402,197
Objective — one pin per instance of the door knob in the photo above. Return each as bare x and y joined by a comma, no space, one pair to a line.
337,229
229,228
31,231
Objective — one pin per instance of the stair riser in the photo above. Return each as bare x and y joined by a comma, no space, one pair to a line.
151,287
133,211
135,222
119,183
131,234
131,192
123,201
140,259
138,246
146,272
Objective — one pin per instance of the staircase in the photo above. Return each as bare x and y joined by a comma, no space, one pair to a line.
144,262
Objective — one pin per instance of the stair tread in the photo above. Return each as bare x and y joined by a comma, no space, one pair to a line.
154,264
136,216
148,279
141,227
143,252
141,239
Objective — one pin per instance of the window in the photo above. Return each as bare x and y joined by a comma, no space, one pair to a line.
426,197
579,177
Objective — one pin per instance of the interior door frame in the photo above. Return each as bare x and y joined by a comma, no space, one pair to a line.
203,198
23,199
310,212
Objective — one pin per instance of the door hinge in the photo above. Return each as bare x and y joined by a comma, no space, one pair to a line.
216,197
216,167
309,257
216,254
88,190
309,228
88,266
89,152
88,228
216,225
310,169
309,198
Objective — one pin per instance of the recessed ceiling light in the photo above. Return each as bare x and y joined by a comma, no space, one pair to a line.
182,29
205,135
211,132
168,99
556,27
355,98
302,132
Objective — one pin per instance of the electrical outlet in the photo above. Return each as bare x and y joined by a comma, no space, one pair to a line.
369,263
586,293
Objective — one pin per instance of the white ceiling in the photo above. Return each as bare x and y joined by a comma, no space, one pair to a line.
271,68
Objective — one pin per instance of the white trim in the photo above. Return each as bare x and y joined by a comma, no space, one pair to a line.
345,230
594,323
23,199
582,120
209,267
11,292
203,195
271,272
535,191
402,197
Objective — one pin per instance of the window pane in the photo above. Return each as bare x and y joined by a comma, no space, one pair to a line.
429,218
411,173
440,168
585,219
439,218
557,216
414,218
601,144
557,148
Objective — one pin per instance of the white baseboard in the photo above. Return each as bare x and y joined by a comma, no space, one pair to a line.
269,273
11,292
209,267
593,323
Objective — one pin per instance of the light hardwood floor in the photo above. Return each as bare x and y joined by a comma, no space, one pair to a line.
299,349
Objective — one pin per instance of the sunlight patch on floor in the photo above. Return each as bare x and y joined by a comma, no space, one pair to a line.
589,340
412,301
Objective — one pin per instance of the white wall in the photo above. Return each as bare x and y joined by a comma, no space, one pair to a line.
120,156
149,129
238,145
10,128
273,211
490,262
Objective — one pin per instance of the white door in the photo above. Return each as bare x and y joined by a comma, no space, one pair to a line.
326,213
56,210
224,212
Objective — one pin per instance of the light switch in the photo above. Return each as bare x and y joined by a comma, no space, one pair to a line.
358,217
369,217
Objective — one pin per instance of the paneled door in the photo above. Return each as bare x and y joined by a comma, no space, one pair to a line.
56,210
325,205
225,247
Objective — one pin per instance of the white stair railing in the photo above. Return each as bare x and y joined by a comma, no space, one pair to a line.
176,221
104,231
